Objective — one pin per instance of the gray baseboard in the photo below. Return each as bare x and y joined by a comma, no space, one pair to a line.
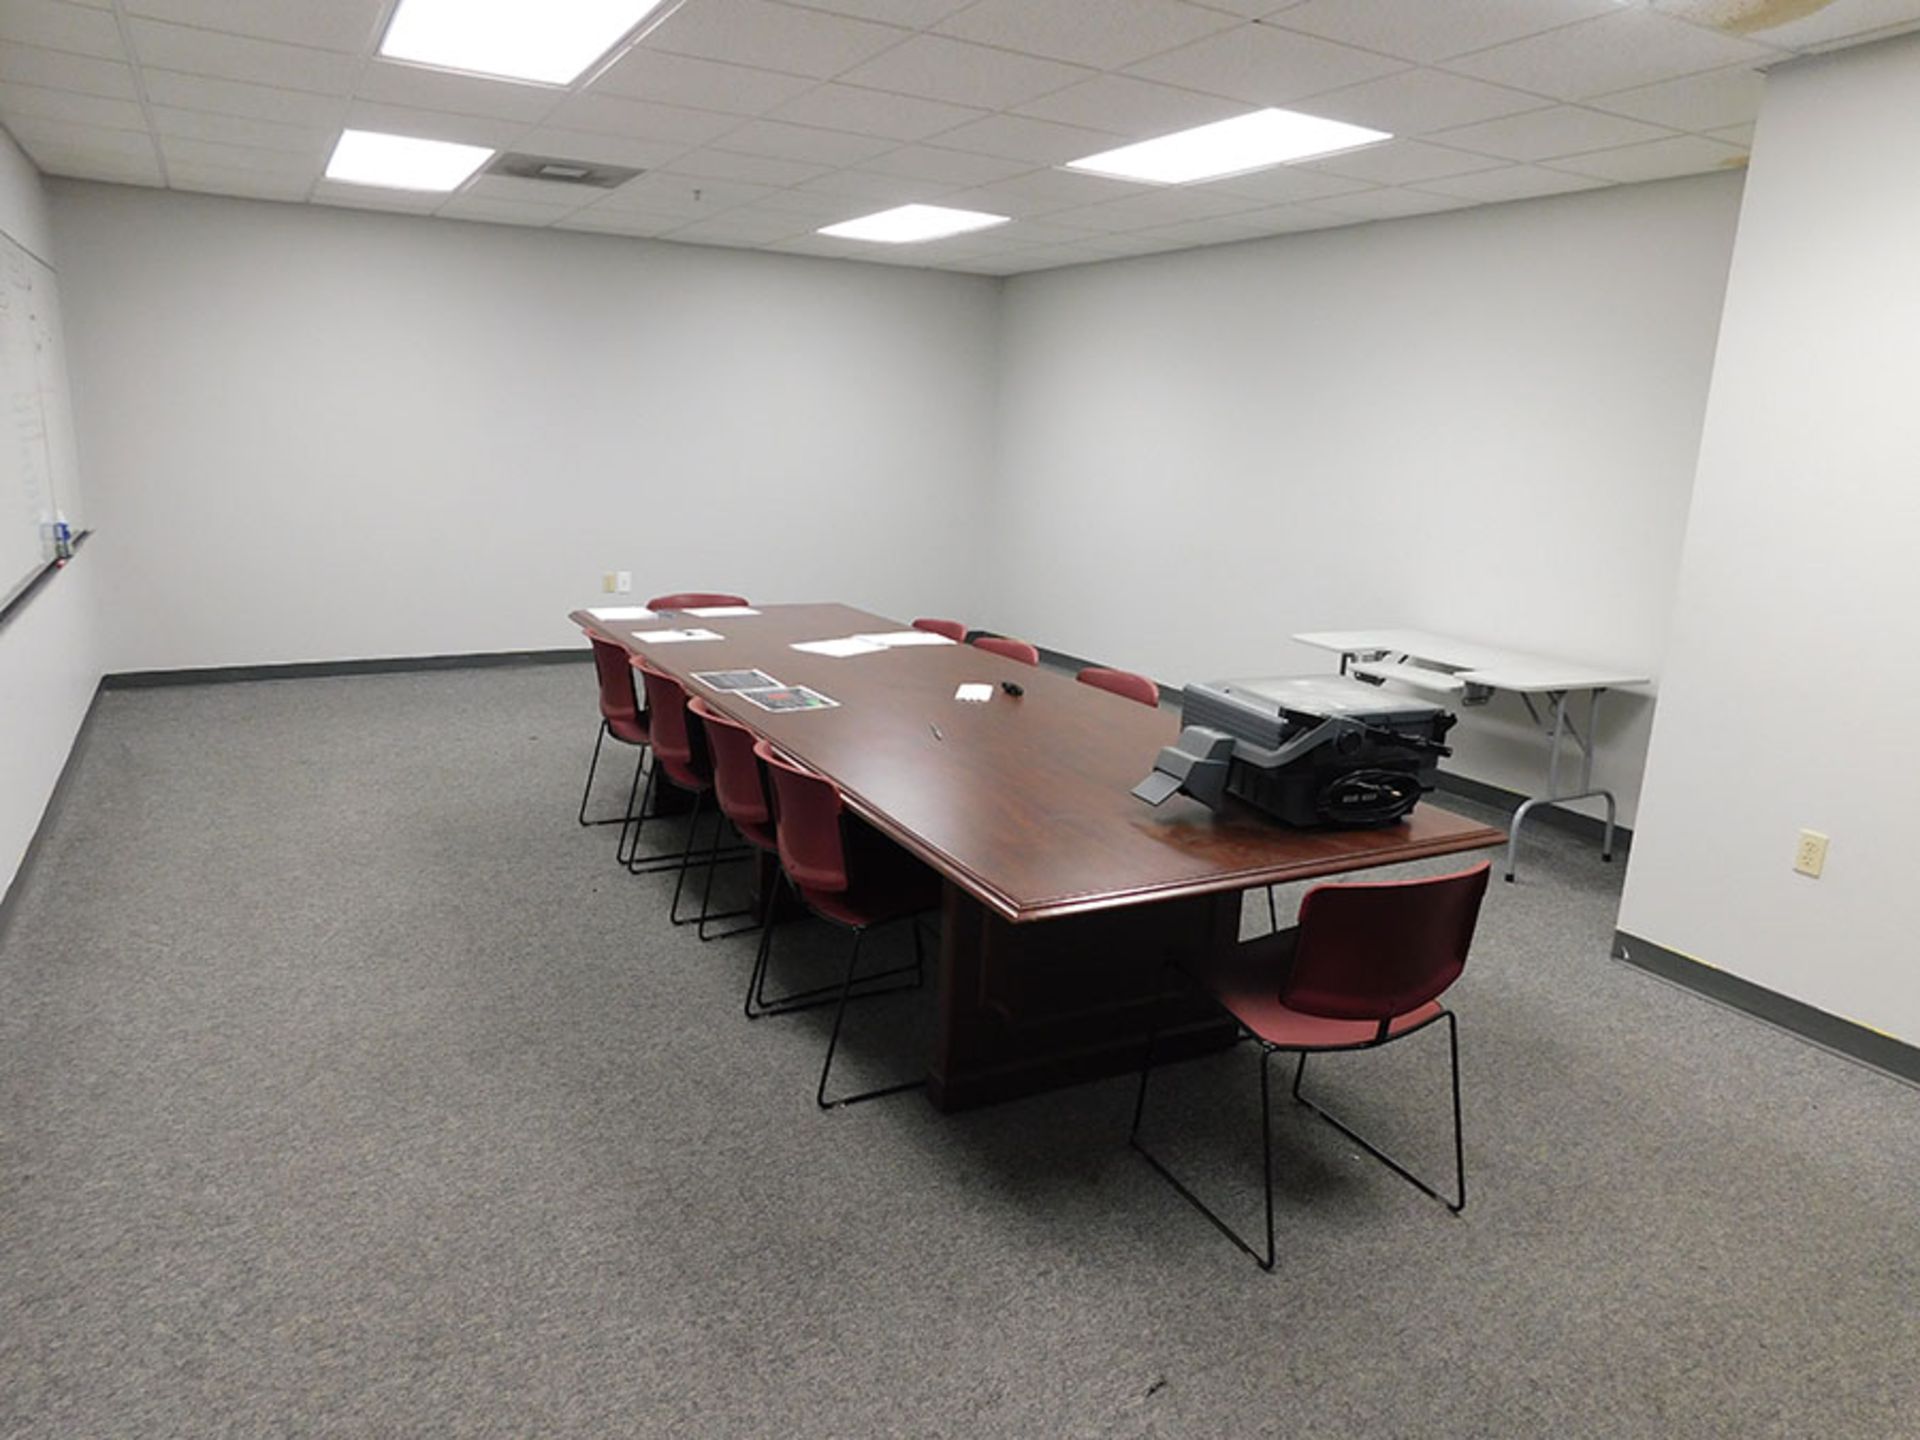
1829,1032
1587,827
311,669
55,803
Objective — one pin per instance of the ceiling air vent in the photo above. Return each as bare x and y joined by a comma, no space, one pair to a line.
562,172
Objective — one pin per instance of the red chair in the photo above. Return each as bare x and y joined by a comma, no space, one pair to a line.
1013,649
680,753
849,875
952,629
1365,966
620,717
1121,682
693,600
740,788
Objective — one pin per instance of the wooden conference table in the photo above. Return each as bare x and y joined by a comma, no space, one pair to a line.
1064,895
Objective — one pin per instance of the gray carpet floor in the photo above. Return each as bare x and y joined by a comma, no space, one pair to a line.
346,1088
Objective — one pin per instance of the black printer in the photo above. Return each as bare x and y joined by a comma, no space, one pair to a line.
1309,750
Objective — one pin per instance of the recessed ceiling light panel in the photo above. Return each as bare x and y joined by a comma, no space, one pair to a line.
550,42
907,223
1230,147
403,162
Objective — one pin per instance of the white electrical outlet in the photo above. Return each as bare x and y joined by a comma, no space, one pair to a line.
1810,856
623,583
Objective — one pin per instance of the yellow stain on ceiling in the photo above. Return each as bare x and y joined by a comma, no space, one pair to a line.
1745,17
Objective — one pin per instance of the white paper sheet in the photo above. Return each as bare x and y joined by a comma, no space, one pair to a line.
624,612
894,638
974,694
675,637
719,612
839,649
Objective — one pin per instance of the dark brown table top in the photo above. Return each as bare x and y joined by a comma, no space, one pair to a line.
1025,802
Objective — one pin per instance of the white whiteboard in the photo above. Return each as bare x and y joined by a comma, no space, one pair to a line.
39,465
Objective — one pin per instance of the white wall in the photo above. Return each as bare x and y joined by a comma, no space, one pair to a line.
1791,690
49,654
317,434
1483,423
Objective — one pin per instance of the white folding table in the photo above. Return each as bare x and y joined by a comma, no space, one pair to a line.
1471,673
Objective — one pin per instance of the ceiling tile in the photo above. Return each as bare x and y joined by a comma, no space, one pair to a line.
1510,182
963,74
810,205
1296,219
1418,102
1389,203
1400,162
874,112
239,130
1710,101
560,144
424,89
1040,192
1428,30
1265,66
687,196
235,57
1169,205
38,136
1542,134
752,169
914,14
874,192
93,164
1133,109
32,65
242,157
802,142
1014,137
1224,230
641,120
433,124
17,101
547,194
1682,155
772,37
233,97
1825,24
1105,34
741,227
647,74
348,25
1741,135
249,184
370,197
1612,52
1289,185
73,28
956,167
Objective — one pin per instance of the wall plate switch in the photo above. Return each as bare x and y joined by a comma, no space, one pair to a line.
1810,856
623,582
608,581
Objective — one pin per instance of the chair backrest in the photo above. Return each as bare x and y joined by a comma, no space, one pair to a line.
952,629
1121,682
693,600
676,747
806,823
1013,649
738,782
617,701
1376,950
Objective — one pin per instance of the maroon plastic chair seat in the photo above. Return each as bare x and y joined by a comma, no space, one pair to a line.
1365,966
1121,682
1012,649
952,629
739,784
694,600
847,873
621,717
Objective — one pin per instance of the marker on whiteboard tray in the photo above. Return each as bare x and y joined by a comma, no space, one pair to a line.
62,537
